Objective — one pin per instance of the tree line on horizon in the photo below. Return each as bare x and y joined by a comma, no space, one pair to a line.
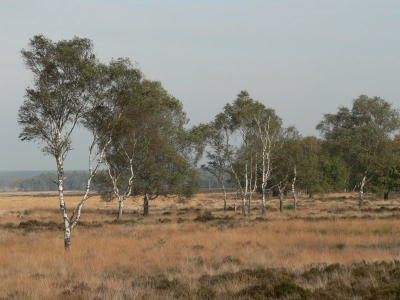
139,133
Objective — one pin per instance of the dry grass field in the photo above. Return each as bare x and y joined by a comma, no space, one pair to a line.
327,249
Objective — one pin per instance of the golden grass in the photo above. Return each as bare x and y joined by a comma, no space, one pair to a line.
106,261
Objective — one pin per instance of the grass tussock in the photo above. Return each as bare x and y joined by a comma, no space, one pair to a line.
328,249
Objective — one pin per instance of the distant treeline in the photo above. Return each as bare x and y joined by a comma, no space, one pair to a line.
74,180
28,181
10,180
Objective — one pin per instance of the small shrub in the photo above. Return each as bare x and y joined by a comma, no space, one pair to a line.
93,224
81,288
199,261
289,207
204,217
340,246
231,260
10,225
165,220
198,247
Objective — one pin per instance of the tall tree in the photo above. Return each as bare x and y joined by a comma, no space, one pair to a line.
168,165
217,155
124,85
361,135
285,162
269,132
387,177
149,155
65,75
240,117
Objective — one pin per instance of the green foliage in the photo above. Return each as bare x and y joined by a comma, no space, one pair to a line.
151,152
362,137
289,207
62,72
27,212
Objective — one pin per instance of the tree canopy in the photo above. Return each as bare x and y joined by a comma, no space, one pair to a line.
361,136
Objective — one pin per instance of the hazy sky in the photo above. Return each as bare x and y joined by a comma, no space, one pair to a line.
303,58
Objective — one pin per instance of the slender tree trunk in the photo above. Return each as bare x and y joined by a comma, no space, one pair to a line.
146,205
386,195
60,183
244,192
236,197
263,209
280,202
294,190
264,181
243,204
361,194
224,199
77,212
120,208
249,205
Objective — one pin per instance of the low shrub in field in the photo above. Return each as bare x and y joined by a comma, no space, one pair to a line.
31,225
204,217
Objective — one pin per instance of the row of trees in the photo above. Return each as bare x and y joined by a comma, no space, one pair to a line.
139,133
359,149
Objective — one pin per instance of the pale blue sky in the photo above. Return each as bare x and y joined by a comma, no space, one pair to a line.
303,58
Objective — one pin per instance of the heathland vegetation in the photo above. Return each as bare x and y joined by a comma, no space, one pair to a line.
278,231
191,249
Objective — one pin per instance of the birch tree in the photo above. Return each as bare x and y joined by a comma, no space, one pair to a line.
125,81
239,115
360,135
269,133
285,160
65,74
217,155
167,167
149,154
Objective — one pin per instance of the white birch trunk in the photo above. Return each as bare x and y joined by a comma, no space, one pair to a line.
243,204
236,197
361,193
265,175
252,188
224,199
293,189
268,144
67,229
280,201
245,193
60,183
92,173
114,179
120,207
